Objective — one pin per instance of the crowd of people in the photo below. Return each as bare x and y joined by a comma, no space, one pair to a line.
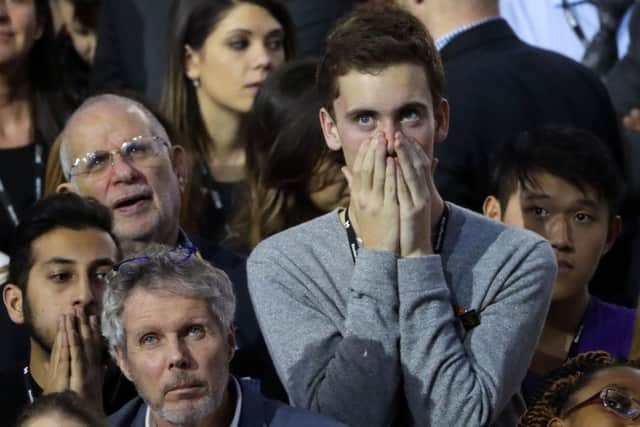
331,213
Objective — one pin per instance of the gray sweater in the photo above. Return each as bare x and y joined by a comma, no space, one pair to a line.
377,343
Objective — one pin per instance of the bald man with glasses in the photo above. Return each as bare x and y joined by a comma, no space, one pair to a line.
115,150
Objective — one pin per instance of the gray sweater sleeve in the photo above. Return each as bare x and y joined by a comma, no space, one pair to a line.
455,381
351,372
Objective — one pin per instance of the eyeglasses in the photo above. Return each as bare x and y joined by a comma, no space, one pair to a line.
613,400
140,150
179,255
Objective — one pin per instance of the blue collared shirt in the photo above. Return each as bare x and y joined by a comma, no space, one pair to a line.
543,23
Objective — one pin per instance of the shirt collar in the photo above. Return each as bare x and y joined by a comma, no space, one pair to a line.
441,42
235,421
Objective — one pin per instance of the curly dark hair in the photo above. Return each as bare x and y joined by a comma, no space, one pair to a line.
563,382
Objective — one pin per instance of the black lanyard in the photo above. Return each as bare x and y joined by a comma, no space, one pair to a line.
572,20
39,172
437,239
211,187
28,385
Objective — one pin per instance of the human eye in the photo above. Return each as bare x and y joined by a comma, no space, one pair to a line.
238,43
196,331
137,149
364,120
60,276
94,162
102,275
148,340
410,116
618,402
583,217
275,42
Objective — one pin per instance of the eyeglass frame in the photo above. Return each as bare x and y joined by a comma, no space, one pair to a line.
112,153
190,251
600,397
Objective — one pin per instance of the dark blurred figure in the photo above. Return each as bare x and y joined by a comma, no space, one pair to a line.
65,408
32,112
292,176
497,87
76,43
313,20
132,46
221,51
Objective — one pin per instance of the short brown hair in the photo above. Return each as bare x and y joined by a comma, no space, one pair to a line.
373,38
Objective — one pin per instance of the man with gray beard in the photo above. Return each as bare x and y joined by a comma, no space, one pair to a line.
168,317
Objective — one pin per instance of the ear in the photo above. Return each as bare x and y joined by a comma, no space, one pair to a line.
491,208
556,422
121,360
615,228
13,301
231,342
441,116
330,130
179,164
191,63
66,187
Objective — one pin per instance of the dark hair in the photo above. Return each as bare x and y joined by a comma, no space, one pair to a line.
373,38
43,69
284,150
67,210
558,387
575,155
86,12
66,403
192,22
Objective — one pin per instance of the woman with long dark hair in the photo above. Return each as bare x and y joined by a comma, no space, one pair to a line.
221,51
292,176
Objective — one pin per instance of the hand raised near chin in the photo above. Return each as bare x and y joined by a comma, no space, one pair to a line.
415,197
374,205
86,372
57,378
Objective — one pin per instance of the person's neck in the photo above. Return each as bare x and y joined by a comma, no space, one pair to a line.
567,315
227,138
15,112
221,417
38,361
449,16
131,247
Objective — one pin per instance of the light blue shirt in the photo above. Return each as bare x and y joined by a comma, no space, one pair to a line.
543,23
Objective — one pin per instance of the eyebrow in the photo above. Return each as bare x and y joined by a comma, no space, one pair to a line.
367,111
245,31
59,260
100,262
353,114
533,196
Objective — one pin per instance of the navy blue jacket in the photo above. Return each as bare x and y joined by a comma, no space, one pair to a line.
257,411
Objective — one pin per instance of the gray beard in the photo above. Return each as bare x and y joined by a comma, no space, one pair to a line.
205,407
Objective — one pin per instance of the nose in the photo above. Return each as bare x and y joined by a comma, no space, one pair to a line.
85,294
179,355
122,170
559,233
389,127
263,57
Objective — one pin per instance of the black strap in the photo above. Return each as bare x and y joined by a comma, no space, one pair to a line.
437,238
28,384
572,20
7,204
209,182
